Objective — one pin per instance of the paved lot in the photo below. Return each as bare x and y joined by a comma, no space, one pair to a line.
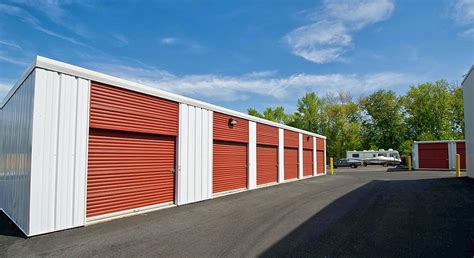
362,212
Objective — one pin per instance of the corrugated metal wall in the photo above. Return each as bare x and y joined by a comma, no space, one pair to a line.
267,135
59,152
194,177
225,132
15,153
291,139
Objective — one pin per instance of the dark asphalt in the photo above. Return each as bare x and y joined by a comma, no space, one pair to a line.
360,212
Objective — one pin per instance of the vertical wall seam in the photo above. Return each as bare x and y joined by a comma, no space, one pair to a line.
74,171
58,120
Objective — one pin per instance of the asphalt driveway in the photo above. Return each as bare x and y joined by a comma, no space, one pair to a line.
363,212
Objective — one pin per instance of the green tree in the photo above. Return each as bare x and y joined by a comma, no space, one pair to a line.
273,114
427,111
310,108
457,112
383,120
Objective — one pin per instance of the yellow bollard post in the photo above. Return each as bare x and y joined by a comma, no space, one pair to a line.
458,165
409,163
331,166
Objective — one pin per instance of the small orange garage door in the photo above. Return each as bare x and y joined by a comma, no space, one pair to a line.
267,164
291,163
128,170
433,155
230,166
320,163
307,162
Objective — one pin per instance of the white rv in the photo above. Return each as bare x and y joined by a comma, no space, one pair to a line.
373,157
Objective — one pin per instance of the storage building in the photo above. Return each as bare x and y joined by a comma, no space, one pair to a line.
468,91
438,155
78,146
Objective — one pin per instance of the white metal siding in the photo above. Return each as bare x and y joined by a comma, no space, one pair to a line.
468,89
16,118
194,179
252,156
300,155
325,157
59,152
281,155
315,159
416,163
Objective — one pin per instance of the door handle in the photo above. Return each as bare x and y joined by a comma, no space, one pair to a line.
173,170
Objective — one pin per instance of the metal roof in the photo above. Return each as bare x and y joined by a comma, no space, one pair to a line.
53,65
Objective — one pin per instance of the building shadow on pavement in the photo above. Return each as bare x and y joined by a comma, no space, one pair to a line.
8,228
425,217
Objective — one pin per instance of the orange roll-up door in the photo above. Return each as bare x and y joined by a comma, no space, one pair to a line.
230,166
128,170
267,164
291,163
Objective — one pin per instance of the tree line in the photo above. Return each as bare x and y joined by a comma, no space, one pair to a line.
382,120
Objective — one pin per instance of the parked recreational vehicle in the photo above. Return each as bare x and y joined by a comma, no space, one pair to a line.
373,157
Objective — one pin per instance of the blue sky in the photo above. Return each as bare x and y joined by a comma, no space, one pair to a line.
241,54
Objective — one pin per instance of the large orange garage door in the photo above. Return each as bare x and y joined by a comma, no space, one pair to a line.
291,163
131,150
433,155
307,162
230,166
128,170
267,164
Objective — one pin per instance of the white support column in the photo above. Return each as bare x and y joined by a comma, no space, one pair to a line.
325,161
452,155
281,155
415,161
252,156
300,156
315,159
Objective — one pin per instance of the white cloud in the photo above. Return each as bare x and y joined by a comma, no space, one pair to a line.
121,40
469,33
329,36
264,84
10,44
26,17
463,11
12,60
169,41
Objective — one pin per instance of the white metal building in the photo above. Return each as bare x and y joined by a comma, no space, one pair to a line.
78,146
468,90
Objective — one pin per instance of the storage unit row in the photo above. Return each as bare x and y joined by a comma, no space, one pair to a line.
78,147
438,155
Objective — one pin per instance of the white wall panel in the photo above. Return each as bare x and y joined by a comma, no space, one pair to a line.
300,155
325,157
281,155
16,118
468,91
194,178
59,152
415,161
252,156
315,159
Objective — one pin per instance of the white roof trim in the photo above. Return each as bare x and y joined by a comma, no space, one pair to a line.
440,141
467,74
53,65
